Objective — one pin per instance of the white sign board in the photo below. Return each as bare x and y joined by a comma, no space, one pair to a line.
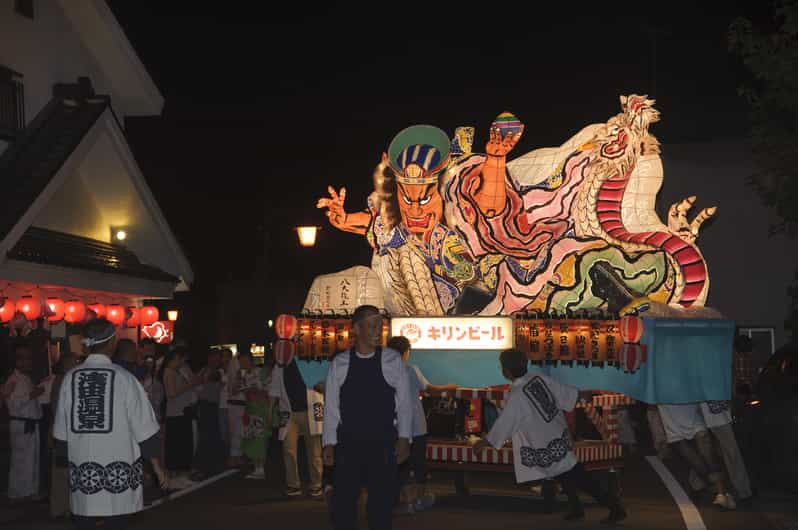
455,333
344,291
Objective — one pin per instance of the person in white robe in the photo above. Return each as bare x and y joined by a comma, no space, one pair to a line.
717,416
542,443
105,427
25,413
686,429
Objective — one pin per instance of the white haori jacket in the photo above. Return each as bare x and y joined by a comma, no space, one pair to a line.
533,419
103,415
315,404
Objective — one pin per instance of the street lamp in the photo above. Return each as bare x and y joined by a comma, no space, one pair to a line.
172,315
307,235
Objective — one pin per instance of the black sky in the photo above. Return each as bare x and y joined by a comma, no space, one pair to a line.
263,109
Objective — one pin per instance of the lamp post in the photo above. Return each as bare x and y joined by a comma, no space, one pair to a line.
307,235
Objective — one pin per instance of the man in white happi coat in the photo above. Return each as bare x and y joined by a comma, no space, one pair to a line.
105,426
542,444
301,414
25,412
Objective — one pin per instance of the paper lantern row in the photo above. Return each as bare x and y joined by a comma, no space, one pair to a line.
75,311
322,338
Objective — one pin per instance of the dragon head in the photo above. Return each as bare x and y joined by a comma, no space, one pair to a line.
625,137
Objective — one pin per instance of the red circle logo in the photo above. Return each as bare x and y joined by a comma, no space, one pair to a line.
411,331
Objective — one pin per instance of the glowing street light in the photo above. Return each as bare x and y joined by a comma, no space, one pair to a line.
307,235
172,315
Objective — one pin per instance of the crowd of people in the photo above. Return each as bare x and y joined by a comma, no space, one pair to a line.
175,418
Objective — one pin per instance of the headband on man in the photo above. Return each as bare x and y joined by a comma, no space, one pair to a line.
89,341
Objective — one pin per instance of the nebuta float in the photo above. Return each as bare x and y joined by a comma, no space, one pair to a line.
555,230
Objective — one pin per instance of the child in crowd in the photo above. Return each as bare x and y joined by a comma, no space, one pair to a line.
413,473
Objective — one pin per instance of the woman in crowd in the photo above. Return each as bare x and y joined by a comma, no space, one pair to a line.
179,392
258,414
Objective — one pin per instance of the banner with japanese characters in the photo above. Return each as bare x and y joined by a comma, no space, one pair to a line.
567,340
455,333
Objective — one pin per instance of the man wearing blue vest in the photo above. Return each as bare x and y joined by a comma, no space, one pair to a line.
367,424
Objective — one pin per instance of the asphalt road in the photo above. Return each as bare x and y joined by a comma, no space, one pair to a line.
495,502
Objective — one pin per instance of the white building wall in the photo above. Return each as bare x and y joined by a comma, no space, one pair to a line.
45,50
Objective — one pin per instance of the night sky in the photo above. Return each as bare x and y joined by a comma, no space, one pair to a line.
265,108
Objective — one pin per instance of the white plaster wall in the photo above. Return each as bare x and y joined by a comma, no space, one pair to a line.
45,50
73,210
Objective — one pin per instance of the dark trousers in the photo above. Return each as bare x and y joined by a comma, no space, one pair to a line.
577,479
118,522
210,457
372,465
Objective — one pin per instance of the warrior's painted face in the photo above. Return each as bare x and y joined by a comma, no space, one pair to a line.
421,206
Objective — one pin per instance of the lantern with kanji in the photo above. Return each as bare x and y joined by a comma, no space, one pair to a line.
55,309
74,311
148,315
115,314
7,310
30,307
99,309
286,327
133,317
284,351
631,329
632,356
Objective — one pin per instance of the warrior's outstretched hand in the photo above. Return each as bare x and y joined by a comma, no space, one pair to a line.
356,222
500,146
335,206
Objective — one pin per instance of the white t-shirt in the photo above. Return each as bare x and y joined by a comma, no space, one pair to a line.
19,403
681,422
533,419
716,413
103,415
418,384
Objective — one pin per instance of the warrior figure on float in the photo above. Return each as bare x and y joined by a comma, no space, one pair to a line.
558,229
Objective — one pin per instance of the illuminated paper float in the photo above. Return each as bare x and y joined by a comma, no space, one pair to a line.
558,229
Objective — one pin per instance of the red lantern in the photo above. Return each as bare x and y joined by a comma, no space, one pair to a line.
286,326
632,356
115,314
55,307
7,310
133,317
148,315
30,307
631,329
284,351
74,311
99,309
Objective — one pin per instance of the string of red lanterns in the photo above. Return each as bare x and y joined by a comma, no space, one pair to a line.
74,311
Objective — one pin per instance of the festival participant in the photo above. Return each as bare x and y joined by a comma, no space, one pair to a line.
210,455
368,405
106,427
542,444
59,482
303,411
415,498
236,402
127,356
717,416
258,418
179,429
224,393
684,423
25,413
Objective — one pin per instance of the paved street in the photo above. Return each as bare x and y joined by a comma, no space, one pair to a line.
495,502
